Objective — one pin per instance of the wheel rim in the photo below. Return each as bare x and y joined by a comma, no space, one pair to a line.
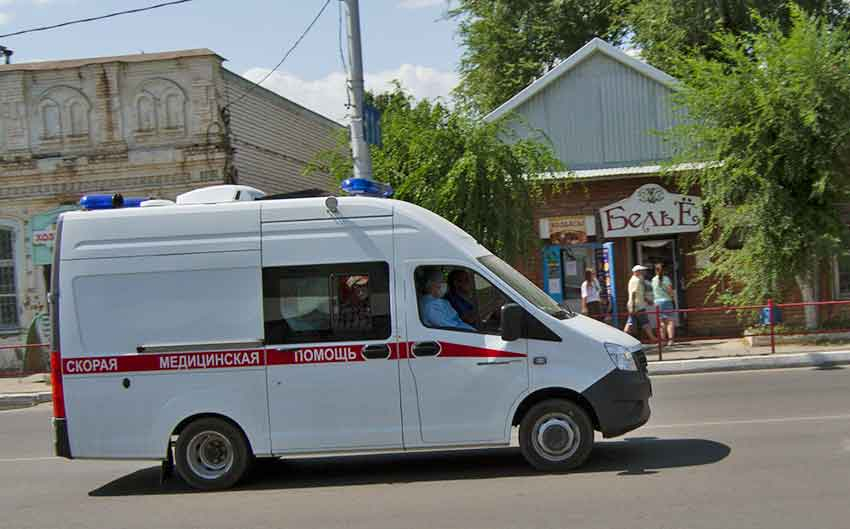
210,455
556,437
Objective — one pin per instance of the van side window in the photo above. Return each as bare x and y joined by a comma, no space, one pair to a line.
326,303
457,298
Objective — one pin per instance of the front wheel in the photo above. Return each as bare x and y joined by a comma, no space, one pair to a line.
211,454
556,435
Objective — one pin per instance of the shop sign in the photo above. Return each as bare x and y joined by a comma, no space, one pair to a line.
651,210
43,234
567,229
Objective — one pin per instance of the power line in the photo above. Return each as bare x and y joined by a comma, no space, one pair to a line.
92,19
285,56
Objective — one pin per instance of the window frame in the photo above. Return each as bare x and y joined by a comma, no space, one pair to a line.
13,228
372,269
508,299
836,285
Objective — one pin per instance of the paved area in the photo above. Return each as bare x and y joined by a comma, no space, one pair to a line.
30,384
716,348
724,450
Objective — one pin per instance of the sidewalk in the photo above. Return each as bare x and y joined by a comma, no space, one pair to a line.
25,391
736,347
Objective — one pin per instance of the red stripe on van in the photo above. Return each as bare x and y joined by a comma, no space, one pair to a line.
163,362
248,358
456,350
316,355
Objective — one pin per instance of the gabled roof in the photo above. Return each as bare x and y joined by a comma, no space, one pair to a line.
137,57
595,45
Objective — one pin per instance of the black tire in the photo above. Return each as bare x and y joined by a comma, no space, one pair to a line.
557,449
212,454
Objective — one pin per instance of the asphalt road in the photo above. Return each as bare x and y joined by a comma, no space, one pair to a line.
730,450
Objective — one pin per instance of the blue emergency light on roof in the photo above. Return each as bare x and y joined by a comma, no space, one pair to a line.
366,187
114,201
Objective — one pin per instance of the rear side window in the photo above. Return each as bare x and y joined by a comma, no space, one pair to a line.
326,303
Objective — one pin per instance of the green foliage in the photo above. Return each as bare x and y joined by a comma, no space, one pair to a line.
664,29
771,118
456,167
508,43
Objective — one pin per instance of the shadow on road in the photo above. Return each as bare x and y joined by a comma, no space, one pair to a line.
630,457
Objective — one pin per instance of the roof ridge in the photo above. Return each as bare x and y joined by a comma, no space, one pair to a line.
594,45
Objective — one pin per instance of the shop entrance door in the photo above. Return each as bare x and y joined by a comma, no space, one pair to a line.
661,251
576,259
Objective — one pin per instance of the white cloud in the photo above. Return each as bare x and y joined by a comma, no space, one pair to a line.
6,2
5,18
327,95
418,4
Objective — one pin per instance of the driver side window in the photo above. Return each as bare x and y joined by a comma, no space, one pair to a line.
458,299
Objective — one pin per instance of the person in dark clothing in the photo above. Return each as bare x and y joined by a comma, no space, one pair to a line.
460,295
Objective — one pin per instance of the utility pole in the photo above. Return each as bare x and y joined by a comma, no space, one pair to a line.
359,148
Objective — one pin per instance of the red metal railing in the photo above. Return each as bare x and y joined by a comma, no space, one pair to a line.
734,312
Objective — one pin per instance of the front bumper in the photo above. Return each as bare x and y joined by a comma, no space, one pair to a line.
621,401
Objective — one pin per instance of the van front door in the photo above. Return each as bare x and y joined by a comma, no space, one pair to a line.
331,356
467,378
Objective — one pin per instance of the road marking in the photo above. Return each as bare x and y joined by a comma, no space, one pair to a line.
752,421
20,459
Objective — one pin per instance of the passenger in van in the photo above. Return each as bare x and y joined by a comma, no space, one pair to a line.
436,311
460,295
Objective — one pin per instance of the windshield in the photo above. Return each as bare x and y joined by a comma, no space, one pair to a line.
525,288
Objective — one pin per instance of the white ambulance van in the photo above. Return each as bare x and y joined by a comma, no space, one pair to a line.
226,327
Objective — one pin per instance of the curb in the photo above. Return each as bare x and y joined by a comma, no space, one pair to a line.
741,363
11,401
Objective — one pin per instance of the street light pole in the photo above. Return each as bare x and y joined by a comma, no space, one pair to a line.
359,147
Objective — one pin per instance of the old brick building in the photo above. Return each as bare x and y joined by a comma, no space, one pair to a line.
603,111
153,125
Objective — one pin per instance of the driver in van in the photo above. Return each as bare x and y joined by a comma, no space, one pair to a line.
436,311
460,295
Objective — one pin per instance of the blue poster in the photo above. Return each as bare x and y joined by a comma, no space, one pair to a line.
610,277
552,273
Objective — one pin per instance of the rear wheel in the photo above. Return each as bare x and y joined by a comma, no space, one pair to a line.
211,454
556,435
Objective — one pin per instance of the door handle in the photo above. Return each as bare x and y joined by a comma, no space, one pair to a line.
426,349
376,352
498,362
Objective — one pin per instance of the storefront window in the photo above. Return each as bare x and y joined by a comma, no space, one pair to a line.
842,276
8,291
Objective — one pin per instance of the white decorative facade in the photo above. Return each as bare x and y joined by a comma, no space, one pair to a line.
142,125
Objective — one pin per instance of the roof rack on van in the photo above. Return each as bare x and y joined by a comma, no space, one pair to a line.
219,194
303,193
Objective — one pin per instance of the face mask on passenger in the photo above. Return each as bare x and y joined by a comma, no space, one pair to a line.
442,291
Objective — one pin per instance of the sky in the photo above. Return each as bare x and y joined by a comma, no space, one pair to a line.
408,40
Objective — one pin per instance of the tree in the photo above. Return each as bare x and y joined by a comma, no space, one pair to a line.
664,29
771,118
457,167
509,43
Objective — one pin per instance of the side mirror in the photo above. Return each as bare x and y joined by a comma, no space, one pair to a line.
512,318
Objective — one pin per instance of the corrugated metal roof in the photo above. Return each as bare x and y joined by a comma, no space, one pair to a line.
138,57
595,45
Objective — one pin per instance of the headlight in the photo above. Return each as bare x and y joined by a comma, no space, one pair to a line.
622,357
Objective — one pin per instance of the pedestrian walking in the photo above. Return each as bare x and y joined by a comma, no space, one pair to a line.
637,303
662,290
591,302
